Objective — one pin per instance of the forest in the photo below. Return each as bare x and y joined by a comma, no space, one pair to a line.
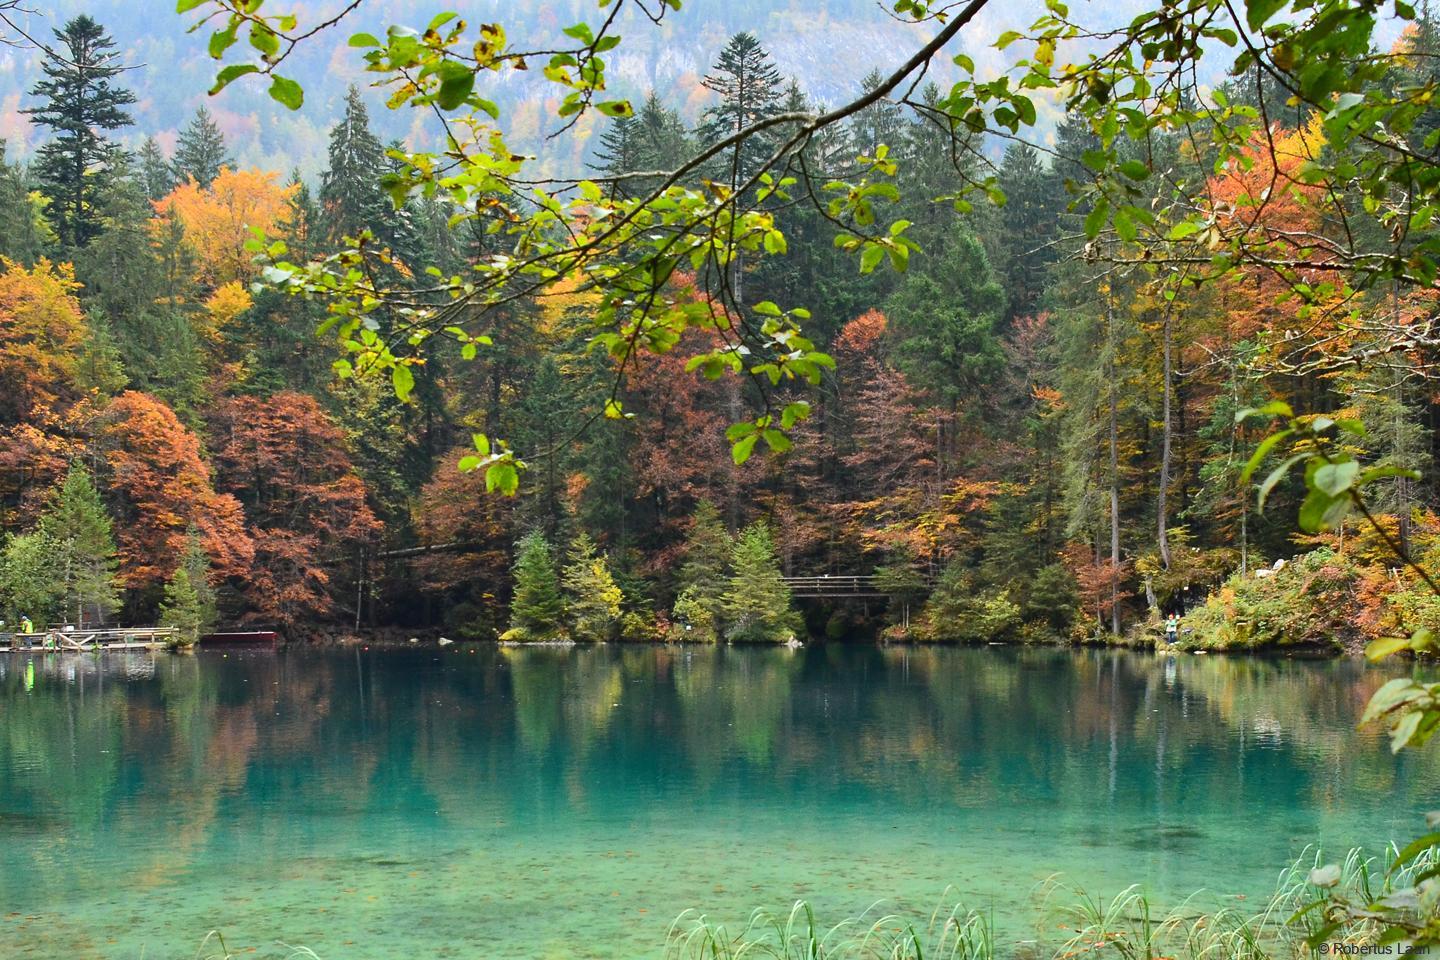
1020,440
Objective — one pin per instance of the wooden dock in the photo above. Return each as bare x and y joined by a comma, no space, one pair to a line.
88,639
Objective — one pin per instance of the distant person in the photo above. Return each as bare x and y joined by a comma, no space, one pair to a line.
1172,628
26,626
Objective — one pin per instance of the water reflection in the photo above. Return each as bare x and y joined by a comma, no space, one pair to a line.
593,792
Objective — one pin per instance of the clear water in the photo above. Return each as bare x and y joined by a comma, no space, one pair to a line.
570,803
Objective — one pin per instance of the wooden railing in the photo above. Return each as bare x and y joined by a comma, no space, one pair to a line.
834,586
89,638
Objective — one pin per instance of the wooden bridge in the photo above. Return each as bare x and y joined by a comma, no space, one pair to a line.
828,585
84,639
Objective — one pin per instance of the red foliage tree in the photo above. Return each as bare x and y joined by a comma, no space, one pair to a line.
162,489
287,463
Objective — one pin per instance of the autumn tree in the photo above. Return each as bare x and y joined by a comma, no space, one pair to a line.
286,461
164,496
218,219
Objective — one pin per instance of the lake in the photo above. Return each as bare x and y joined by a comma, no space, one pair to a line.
480,802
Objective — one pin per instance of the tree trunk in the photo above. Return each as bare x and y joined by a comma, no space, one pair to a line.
1162,537
1114,476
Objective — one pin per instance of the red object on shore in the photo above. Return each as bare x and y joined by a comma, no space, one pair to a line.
265,638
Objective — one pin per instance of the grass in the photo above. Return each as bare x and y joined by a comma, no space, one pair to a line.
1127,926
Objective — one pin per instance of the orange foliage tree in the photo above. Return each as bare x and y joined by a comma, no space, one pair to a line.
218,219
42,333
286,462
162,489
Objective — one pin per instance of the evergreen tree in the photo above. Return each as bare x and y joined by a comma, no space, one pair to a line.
620,150
703,573
24,231
592,598
664,142
750,89
944,316
189,601
349,192
537,610
79,103
883,122
757,600
1027,226
79,530
200,152
156,176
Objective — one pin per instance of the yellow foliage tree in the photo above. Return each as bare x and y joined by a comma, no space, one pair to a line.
218,219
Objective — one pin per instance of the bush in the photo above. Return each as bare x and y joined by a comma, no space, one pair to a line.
1308,602
959,612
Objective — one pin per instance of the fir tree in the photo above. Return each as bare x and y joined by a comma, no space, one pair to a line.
24,231
79,103
200,152
757,600
80,532
156,176
537,610
592,598
620,150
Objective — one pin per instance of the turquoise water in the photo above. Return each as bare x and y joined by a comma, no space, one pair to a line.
571,802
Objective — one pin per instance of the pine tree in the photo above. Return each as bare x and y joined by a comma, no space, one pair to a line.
592,598
619,149
189,602
79,103
757,600
200,152
156,176
882,122
80,531
537,610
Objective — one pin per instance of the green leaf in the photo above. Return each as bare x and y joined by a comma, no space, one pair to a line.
230,74
403,380
616,108
743,447
1276,476
457,81
1321,511
1183,229
1095,219
185,6
1275,408
1135,169
1259,11
364,40
870,258
1335,478
1261,452
288,92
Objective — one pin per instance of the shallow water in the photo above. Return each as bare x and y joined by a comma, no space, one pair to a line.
571,802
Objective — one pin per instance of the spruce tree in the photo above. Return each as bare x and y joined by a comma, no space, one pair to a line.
757,600
537,610
349,192
200,152
80,532
24,231
592,598
79,102
156,176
